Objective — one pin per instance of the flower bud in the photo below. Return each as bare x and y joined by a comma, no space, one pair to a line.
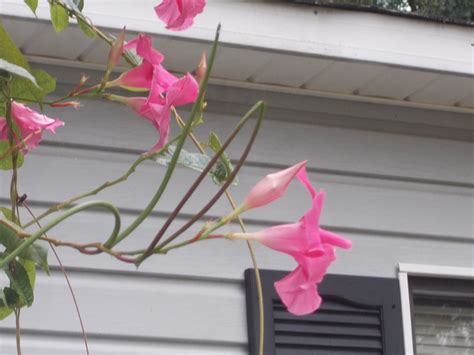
74,104
271,187
116,50
201,68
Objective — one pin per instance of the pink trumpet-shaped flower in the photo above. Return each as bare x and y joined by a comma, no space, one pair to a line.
179,14
157,107
142,77
271,187
30,123
311,246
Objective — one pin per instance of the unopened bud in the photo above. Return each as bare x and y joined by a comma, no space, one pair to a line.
116,50
74,104
201,68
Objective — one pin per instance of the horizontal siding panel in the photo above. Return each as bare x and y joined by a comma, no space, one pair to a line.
51,343
360,203
333,148
140,306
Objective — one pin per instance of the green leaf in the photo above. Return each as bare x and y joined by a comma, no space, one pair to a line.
195,161
6,163
17,70
30,268
39,255
8,299
59,17
5,311
224,169
85,28
8,214
32,4
10,234
21,283
22,87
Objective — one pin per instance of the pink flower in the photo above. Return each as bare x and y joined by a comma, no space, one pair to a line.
142,76
30,123
179,14
311,246
157,107
271,187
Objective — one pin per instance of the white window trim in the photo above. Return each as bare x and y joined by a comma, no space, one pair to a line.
405,270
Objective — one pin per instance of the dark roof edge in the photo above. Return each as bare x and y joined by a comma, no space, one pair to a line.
379,10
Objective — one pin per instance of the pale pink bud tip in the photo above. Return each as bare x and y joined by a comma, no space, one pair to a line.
116,50
74,104
271,187
201,68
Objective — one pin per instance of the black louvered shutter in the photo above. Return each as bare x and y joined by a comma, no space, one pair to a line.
359,315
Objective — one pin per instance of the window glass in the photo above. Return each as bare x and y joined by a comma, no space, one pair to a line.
443,316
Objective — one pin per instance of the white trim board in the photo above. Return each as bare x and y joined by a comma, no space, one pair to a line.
329,33
422,270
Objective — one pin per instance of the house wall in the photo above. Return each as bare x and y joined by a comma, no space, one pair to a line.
396,190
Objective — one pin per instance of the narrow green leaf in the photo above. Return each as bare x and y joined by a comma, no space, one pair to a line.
59,17
17,70
85,28
6,163
32,4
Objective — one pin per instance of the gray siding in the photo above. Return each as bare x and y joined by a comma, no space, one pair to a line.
398,197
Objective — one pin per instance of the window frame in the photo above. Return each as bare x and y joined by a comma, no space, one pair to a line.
404,271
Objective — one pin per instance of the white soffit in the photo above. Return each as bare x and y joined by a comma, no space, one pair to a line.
281,45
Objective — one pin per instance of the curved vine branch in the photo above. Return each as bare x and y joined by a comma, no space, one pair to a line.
72,211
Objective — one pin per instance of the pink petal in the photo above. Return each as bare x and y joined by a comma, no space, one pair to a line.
334,239
272,186
178,15
182,92
297,294
316,267
31,122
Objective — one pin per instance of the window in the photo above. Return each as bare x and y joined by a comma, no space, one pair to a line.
359,315
438,310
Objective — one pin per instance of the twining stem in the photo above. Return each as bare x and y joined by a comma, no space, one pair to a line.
18,330
197,182
105,185
249,244
179,146
226,184
63,270
14,157
84,206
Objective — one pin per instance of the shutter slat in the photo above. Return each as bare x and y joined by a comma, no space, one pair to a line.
318,342
328,329
326,317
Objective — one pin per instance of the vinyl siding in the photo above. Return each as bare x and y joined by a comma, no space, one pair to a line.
398,197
